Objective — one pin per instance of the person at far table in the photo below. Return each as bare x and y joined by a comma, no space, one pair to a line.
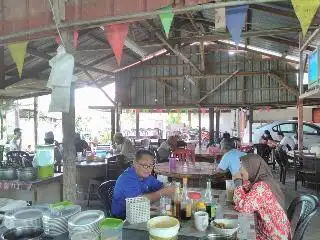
230,161
124,147
260,194
80,144
49,140
286,142
166,147
137,181
266,137
16,142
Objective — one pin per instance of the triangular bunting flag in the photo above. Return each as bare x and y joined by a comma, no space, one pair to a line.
75,39
116,35
166,19
236,17
203,110
305,11
18,52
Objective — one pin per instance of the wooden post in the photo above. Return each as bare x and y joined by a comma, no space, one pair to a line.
113,123
217,124
68,129
300,124
189,118
35,120
300,101
211,123
2,79
250,124
200,130
137,124
16,116
118,118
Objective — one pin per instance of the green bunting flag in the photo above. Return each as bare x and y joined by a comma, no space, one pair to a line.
166,19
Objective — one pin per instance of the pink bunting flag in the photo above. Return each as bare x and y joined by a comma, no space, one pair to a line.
75,39
58,40
203,110
116,35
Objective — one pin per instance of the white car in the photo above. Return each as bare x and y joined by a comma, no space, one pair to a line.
311,132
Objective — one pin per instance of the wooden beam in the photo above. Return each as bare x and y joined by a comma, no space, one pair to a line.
282,82
45,56
174,50
213,75
96,84
219,85
288,42
214,36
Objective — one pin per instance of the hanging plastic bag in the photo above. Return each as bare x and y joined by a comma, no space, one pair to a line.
62,69
60,99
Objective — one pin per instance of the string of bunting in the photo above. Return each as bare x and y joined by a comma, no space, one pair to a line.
159,110
232,17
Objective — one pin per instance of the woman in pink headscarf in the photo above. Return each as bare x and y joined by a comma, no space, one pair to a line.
261,194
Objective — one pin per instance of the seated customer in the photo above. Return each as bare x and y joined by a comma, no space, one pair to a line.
261,194
231,158
124,146
286,142
137,181
166,147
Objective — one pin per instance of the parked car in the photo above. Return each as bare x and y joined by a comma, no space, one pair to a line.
311,132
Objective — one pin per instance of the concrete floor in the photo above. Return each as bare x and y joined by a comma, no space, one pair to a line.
313,230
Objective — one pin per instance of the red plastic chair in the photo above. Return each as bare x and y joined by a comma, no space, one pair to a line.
182,153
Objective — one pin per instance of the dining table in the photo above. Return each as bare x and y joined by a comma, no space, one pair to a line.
187,228
196,172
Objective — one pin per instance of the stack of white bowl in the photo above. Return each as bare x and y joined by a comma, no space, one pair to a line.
56,222
23,217
87,221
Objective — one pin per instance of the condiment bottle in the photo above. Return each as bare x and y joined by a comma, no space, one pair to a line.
186,205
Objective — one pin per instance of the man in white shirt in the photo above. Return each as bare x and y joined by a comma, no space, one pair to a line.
15,143
286,142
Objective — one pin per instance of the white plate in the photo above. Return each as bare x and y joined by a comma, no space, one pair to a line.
28,214
90,217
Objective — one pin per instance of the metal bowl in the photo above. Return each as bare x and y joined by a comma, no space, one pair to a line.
29,233
27,174
10,174
2,173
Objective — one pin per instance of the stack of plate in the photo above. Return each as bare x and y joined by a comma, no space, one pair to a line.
56,222
87,221
24,217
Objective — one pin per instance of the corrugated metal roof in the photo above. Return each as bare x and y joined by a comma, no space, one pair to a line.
102,58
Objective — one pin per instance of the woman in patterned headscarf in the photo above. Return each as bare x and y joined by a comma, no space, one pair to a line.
261,194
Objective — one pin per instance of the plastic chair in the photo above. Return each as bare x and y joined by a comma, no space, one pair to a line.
303,208
19,159
307,169
105,192
184,154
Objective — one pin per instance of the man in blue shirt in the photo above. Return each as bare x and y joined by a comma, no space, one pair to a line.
231,158
137,181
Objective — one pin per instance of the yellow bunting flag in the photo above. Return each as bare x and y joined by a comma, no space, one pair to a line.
18,52
305,11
